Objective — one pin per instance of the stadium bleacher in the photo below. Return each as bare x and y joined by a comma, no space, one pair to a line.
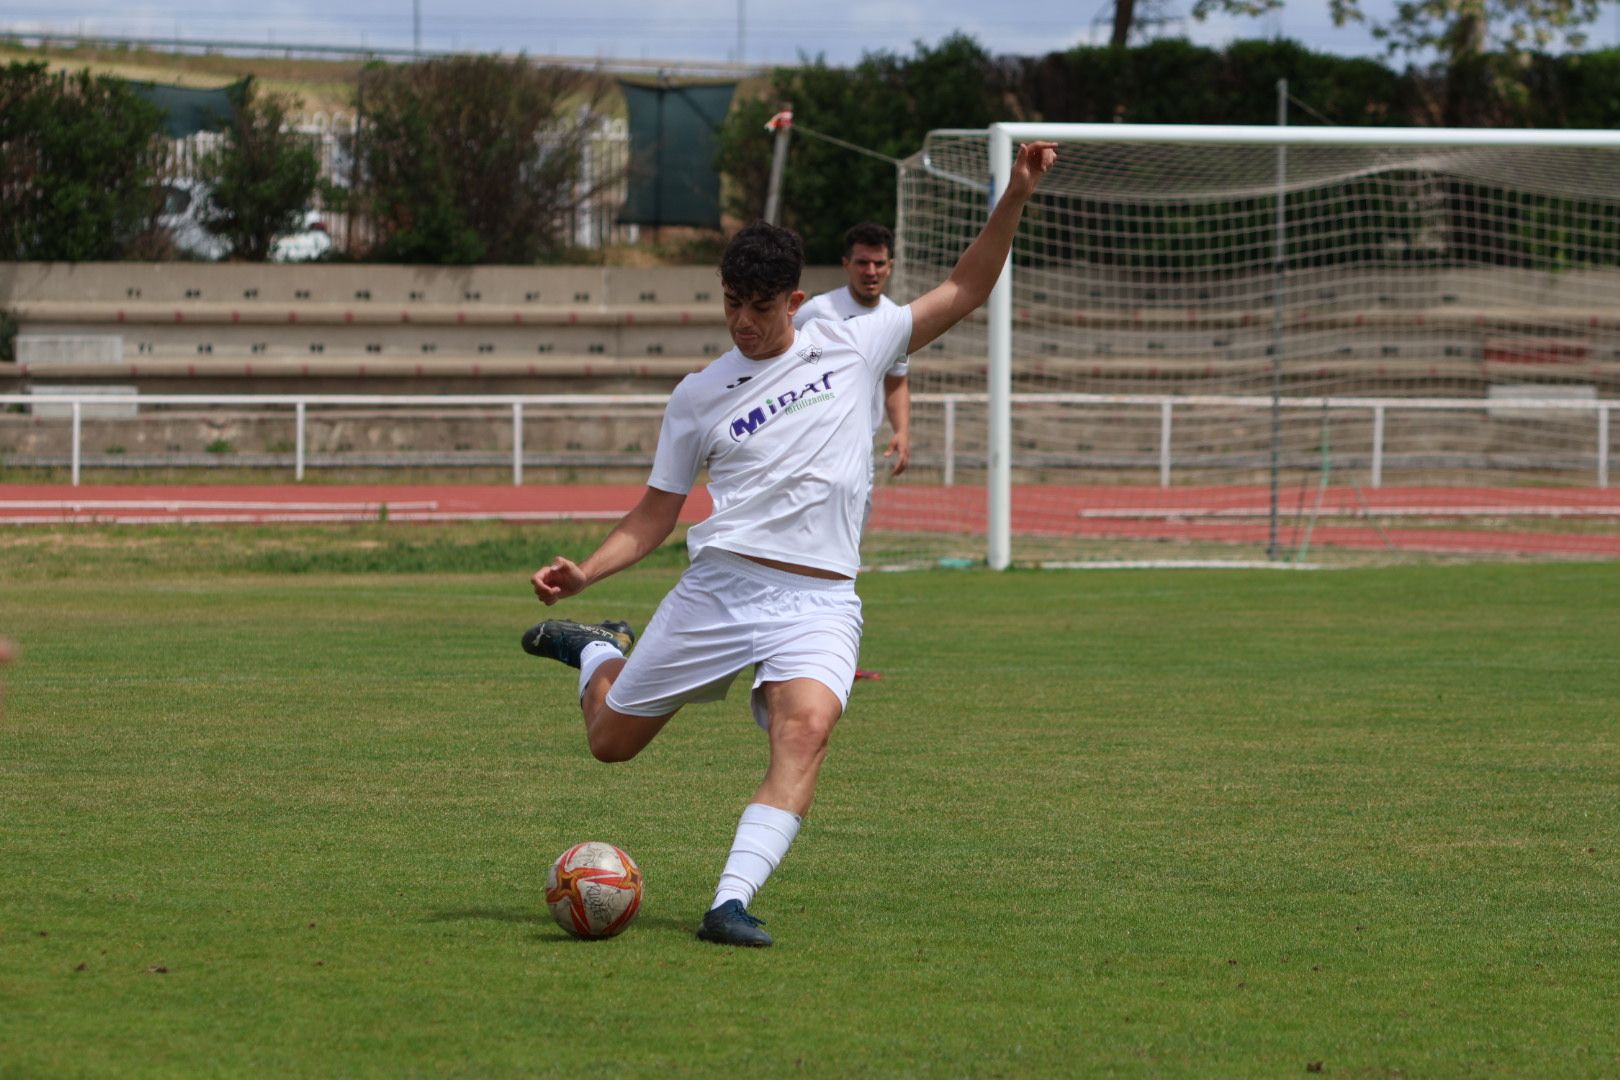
192,326
181,327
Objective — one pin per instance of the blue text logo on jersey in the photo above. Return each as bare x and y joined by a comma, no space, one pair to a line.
790,402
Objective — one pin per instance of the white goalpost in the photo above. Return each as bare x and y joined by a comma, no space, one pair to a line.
1194,317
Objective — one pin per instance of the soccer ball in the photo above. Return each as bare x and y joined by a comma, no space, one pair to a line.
593,890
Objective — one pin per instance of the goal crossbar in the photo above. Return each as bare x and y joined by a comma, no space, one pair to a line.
1281,135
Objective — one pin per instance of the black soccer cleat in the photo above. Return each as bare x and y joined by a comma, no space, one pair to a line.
730,924
559,639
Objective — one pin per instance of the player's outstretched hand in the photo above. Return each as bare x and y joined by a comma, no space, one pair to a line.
1032,163
561,579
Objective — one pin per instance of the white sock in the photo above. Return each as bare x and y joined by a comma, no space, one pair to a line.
592,657
763,836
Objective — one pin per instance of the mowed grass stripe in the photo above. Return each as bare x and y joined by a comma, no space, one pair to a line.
1170,823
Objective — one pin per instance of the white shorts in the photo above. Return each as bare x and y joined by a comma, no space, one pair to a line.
727,612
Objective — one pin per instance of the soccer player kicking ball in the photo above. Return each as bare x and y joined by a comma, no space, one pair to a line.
784,424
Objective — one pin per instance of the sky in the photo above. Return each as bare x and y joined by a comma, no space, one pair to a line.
759,32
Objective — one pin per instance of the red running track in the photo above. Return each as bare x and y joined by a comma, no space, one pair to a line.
1240,515
263,503
1374,519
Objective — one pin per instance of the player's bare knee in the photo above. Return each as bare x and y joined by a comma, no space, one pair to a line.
610,746
802,735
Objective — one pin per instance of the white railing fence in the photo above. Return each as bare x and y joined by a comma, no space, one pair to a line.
948,446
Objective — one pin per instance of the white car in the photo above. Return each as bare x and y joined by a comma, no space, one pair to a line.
183,204
305,245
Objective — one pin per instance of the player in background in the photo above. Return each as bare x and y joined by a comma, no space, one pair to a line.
783,424
868,262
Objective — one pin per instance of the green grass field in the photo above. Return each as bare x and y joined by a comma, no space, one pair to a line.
281,802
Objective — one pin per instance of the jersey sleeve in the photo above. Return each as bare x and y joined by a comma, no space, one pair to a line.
882,338
680,450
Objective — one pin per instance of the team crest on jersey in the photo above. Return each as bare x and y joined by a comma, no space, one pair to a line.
810,354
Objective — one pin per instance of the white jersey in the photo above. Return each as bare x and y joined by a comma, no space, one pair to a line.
840,305
787,442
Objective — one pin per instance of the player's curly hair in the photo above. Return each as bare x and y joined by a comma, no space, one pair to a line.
762,261
871,234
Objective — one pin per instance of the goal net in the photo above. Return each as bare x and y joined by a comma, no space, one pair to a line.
1268,344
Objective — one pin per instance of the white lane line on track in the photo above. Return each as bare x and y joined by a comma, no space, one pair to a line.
308,518
1157,512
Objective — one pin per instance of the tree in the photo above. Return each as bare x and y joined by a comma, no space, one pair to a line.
1484,46
1124,15
472,159
1136,18
1463,28
1455,29
262,178
78,164
1173,81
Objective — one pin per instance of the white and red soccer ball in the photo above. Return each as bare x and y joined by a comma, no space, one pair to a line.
593,890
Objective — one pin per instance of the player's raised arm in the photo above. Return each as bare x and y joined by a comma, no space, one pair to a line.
976,271
637,533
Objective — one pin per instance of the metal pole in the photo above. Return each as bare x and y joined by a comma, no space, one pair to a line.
351,214
416,27
1165,409
517,444
998,384
1279,262
950,441
742,26
1378,446
1603,447
298,441
773,194
76,430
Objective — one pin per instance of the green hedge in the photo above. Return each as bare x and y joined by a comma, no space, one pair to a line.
78,165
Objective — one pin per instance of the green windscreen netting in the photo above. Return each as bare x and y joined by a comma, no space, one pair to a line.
673,139
188,110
